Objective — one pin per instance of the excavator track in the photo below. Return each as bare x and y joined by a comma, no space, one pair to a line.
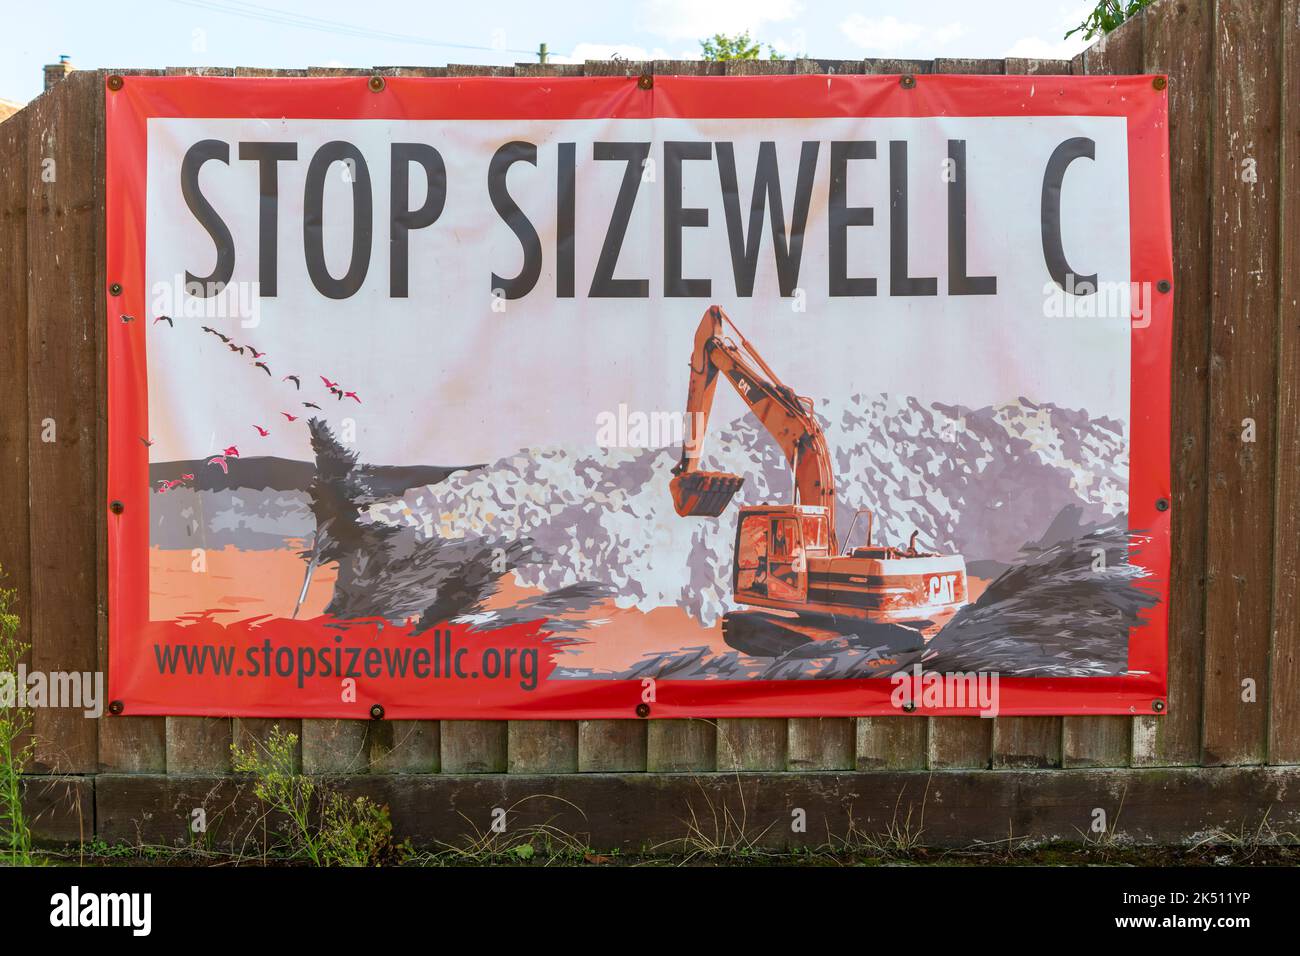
763,634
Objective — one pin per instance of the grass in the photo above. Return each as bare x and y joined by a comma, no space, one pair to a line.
16,743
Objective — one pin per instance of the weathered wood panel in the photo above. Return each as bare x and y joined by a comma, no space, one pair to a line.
678,746
611,745
63,213
639,812
1284,673
405,746
892,743
1243,369
755,743
198,744
15,536
543,746
1178,40
821,743
335,746
474,746
126,743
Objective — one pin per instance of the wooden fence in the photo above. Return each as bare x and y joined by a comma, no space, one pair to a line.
1233,68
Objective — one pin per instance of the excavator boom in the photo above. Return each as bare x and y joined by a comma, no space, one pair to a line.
788,418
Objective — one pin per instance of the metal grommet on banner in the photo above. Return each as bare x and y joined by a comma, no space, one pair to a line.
643,710
116,507
1158,706
115,707
907,81
1162,504
908,707
377,712
115,289
377,84
1159,82
645,81
115,82
1164,285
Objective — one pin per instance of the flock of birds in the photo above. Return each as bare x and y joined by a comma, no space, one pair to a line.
222,460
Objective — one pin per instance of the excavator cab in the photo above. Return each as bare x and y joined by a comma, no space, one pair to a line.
773,546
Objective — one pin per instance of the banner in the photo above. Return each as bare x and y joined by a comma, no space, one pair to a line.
614,396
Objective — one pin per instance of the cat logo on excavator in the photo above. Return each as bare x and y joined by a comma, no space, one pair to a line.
788,561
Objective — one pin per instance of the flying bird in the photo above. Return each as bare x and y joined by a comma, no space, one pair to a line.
147,442
165,318
263,366
351,395
337,393
165,485
224,338
261,431
311,405
235,348
293,378
187,477
231,452
220,460
328,383
256,353
292,418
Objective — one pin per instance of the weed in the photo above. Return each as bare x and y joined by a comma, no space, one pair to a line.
16,744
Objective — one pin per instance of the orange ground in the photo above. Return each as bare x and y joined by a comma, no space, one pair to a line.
269,582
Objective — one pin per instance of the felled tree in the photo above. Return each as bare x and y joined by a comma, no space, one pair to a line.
339,493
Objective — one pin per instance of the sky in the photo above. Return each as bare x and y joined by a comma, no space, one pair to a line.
292,33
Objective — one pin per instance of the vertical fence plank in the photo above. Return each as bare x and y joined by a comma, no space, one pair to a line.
543,746
405,746
15,536
611,746
821,743
198,744
127,744
473,746
681,746
890,743
753,743
959,741
1021,743
1103,741
1284,666
1178,40
335,746
63,212
1243,382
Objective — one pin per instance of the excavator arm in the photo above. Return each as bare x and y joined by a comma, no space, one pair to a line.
788,418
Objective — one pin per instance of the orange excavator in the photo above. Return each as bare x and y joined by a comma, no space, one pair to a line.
788,561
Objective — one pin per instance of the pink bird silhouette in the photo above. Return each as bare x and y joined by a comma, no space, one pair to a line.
353,396
187,477
292,418
164,485
231,452
261,431
328,383
220,460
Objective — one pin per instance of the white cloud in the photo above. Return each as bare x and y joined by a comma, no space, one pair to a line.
949,32
699,19
885,35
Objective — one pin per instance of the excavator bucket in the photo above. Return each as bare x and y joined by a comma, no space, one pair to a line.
704,493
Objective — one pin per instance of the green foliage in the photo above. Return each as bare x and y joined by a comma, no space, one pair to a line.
321,828
15,723
1106,16
736,46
